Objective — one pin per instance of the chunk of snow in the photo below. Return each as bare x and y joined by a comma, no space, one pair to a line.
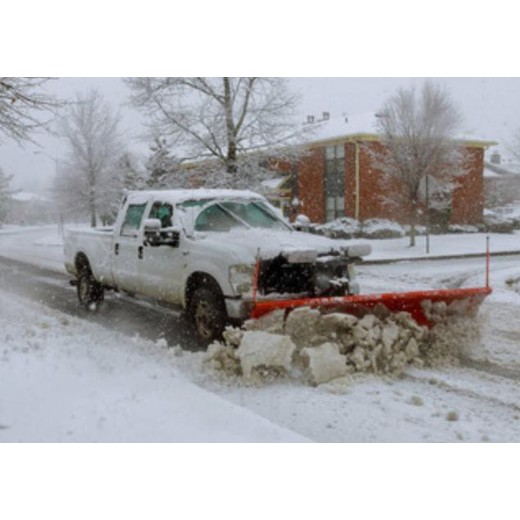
263,349
301,325
324,363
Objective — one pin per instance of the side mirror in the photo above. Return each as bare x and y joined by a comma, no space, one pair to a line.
155,235
152,225
152,231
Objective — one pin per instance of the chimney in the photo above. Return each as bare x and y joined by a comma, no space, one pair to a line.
495,157
310,119
326,116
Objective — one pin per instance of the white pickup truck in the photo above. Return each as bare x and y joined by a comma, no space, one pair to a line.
212,253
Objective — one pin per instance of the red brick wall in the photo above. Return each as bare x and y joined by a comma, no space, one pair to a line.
380,196
311,185
468,195
350,180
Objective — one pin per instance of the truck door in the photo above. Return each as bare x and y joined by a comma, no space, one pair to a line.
161,266
128,248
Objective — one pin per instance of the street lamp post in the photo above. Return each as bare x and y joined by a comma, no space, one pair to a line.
56,162
427,190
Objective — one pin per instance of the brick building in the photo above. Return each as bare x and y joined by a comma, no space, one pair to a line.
337,177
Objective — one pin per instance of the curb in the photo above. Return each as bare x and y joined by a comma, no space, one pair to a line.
437,258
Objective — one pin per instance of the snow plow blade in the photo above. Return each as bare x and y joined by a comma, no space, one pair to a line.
420,304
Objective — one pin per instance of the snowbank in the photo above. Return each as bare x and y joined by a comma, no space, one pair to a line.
64,379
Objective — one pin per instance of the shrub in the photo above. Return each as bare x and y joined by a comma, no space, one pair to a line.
381,228
344,227
496,224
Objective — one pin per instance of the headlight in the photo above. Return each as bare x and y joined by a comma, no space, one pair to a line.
241,278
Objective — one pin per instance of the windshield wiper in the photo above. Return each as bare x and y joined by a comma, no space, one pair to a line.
267,211
233,215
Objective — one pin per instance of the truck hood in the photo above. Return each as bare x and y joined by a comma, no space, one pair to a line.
294,245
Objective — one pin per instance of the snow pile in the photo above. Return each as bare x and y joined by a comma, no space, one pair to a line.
318,348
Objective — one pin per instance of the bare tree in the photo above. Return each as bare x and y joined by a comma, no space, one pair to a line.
230,123
418,143
24,107
91,131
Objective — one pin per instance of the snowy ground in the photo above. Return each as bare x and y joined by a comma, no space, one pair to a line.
64,379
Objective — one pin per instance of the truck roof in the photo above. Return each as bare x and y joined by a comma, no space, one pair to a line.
181,195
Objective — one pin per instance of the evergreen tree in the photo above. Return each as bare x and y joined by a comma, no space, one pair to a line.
161,165
129,171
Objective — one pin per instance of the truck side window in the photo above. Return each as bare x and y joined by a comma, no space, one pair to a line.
132,222
164,212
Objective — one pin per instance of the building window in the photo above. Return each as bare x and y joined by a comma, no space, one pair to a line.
334,182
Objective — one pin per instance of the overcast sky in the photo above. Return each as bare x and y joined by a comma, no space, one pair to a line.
490,108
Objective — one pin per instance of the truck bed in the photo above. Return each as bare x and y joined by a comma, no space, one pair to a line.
97,245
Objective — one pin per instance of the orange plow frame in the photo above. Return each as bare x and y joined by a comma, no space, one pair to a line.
411,302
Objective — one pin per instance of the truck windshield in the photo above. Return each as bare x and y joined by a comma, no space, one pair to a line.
228,214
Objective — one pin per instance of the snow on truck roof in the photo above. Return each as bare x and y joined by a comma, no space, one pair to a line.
182,195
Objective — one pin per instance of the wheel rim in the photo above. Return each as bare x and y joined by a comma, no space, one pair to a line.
205,320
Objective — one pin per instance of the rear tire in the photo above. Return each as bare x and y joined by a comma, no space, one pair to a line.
90,292
208,314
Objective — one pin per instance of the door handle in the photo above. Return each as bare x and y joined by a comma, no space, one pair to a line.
116,249
140,251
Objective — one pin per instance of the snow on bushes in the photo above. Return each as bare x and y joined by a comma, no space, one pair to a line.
318,348
462,229
347,228
495,223
381,228
344,227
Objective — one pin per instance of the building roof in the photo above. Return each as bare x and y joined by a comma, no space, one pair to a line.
364,126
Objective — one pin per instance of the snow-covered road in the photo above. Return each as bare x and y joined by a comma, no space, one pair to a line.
116,384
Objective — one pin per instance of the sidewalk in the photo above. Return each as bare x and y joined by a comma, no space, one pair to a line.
442,247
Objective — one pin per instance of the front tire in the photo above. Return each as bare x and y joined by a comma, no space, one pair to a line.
208,314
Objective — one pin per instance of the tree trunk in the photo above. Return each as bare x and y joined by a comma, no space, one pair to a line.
92,206
231,157
413,222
